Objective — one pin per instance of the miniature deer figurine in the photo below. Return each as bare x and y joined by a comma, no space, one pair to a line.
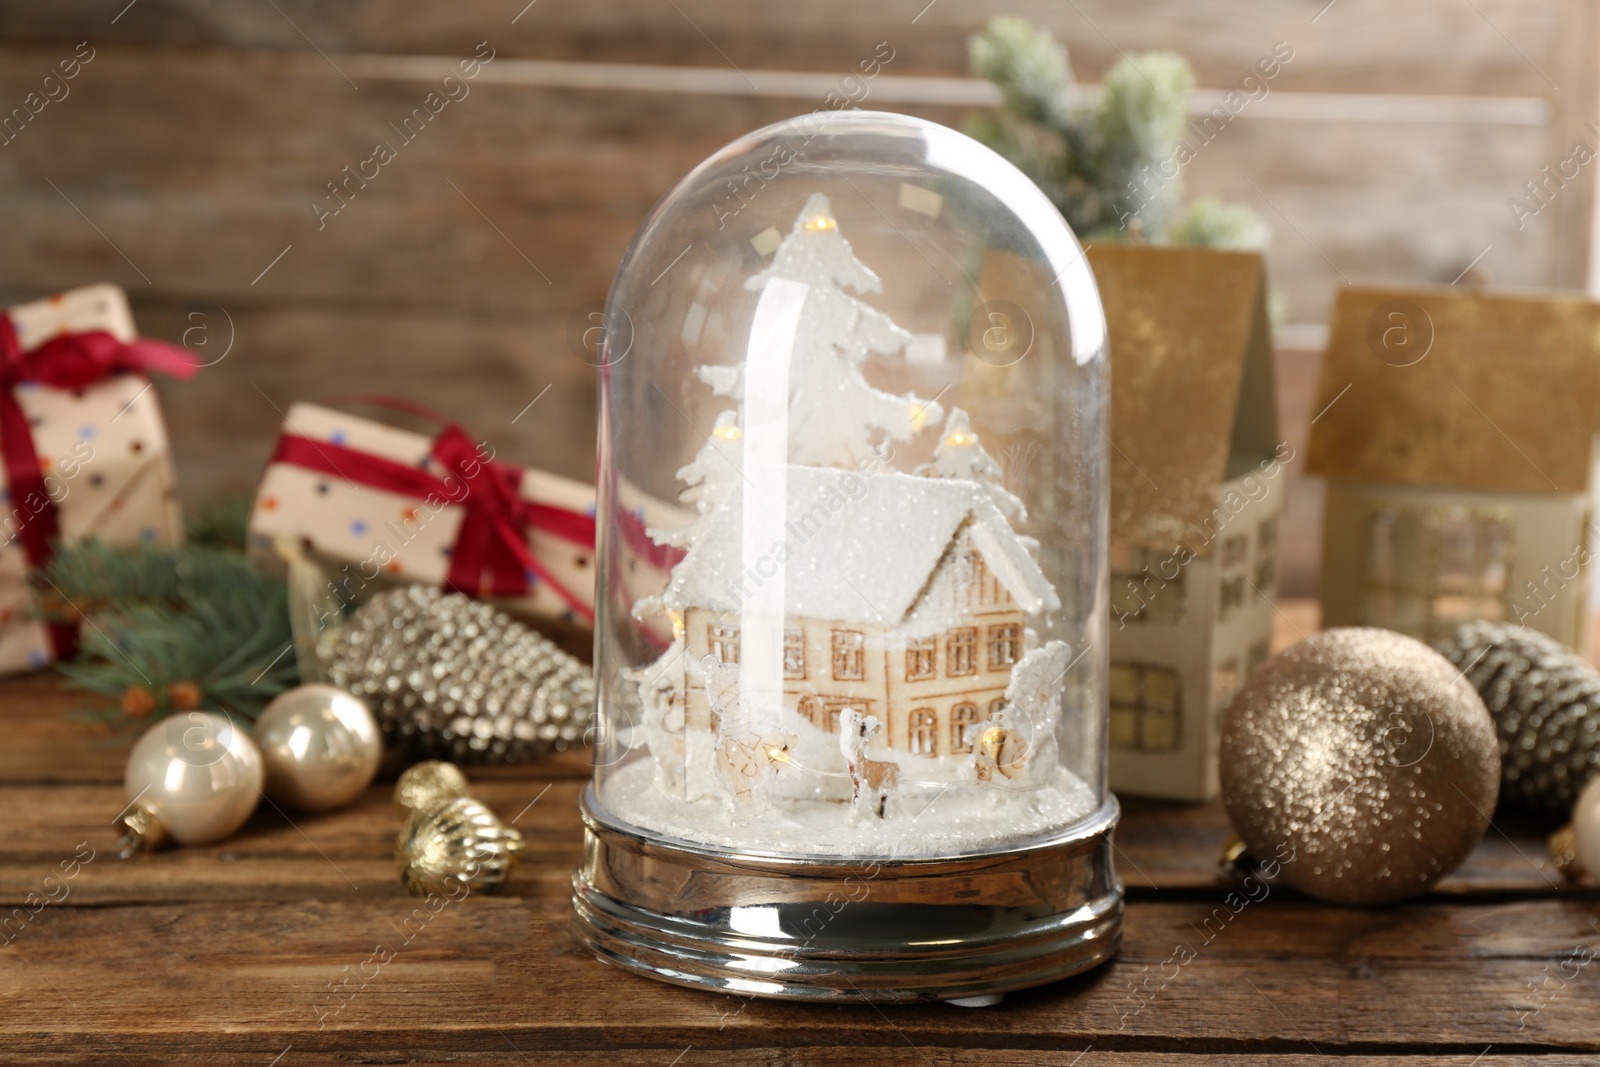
871,781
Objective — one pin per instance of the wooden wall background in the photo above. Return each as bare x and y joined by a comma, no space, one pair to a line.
184,162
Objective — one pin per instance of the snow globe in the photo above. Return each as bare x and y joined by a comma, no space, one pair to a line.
851,629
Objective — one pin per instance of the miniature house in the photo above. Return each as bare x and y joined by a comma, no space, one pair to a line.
1196,495
1456,435
929,651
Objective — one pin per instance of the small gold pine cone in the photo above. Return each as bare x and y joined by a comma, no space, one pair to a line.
458,843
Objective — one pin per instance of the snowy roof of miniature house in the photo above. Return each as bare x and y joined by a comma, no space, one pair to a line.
1505,399
867,554
1192,400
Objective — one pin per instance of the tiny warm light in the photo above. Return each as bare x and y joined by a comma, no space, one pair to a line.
958,440
820,223
778,753
728,433
677,624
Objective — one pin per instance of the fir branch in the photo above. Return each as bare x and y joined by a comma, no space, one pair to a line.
1109,165
170,629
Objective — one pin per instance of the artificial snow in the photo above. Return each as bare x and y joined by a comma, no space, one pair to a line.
933,819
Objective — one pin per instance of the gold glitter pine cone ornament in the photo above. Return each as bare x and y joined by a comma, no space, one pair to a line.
1363,762
1545,702
450,840
444,674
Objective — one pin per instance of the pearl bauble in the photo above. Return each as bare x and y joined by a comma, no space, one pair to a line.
194,778
1586,827
321,747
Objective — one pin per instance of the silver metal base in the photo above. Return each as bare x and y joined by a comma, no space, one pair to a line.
823,929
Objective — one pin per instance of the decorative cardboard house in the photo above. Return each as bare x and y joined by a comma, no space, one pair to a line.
1456,434
1196,495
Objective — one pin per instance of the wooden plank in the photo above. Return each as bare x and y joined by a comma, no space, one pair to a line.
1496,46
280,855
1278,977
517,202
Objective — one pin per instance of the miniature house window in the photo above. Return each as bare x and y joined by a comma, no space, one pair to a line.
815,712
1146,587
1230,596
961,652
1145,707
724,642
979,584
1429,569
1224,683
849,664
996,706
1256,657
921,659
1003,642
963,717
1267,557
1235,550
1235,555
923,725
824,714
794,655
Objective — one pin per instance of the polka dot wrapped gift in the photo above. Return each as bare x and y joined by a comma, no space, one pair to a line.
376,505
84,449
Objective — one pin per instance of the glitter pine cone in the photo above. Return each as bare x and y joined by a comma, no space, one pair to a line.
1545,701
451,677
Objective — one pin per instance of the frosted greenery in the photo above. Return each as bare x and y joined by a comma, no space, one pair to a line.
1096,154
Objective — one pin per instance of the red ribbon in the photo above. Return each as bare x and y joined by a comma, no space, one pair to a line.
66,361
491,555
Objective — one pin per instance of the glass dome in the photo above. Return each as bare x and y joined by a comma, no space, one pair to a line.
853,504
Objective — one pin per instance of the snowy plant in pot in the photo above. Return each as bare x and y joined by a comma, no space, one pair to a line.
852,737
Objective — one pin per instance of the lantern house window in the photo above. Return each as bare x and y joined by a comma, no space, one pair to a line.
849,662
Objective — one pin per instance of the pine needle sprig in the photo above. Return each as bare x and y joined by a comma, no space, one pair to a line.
1107,159
172,629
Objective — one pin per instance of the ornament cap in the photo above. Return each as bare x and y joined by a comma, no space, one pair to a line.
142,830
1563,845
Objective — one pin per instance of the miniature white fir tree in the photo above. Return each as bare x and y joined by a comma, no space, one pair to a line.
842,414
959,454
707,477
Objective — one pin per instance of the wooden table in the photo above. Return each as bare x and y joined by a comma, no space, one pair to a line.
277,944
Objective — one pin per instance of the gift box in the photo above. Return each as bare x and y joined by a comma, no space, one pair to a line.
84,447
377,505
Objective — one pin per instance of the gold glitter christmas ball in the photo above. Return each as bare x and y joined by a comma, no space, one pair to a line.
1362,764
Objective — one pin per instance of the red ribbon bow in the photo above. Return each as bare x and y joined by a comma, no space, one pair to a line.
491,555
66,361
